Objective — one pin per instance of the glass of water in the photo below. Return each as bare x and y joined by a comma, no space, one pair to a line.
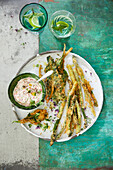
62,24
33,17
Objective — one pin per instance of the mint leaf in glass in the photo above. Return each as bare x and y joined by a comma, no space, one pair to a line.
60,25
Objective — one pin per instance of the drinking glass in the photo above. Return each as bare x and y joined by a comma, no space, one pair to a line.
33,17
62,24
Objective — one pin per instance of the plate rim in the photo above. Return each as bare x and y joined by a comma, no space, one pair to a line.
102,99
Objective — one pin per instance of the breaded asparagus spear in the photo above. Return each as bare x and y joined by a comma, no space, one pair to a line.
88,86
60,62
53,136
86,92
72,124
69,108
80,90
88,99
61,131
69,67
91,92
78,126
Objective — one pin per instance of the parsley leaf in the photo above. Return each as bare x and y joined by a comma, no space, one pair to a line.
30,125
37,65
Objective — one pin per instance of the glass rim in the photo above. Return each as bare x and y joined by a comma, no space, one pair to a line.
33,4
63,11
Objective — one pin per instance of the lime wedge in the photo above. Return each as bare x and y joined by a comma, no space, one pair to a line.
34,22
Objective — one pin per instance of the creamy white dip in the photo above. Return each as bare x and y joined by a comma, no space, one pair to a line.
28,91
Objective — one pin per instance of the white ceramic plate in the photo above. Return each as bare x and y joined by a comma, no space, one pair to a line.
90,75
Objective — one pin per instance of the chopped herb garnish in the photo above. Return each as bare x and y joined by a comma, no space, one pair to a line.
35,117
45,127
37,114
32,102
34,93
30,125
37,65
29,91
29,115
39,92
47,119
40,124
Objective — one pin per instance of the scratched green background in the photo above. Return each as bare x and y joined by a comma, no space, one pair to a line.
93,40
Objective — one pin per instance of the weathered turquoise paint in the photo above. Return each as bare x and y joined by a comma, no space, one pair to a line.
93,40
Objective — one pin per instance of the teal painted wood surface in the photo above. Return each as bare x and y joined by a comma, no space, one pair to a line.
93,40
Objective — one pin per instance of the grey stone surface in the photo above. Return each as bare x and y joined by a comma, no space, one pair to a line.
16,145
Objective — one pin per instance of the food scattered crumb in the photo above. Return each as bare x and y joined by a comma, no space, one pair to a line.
85,71
18,30
90,73
34,65
23,44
